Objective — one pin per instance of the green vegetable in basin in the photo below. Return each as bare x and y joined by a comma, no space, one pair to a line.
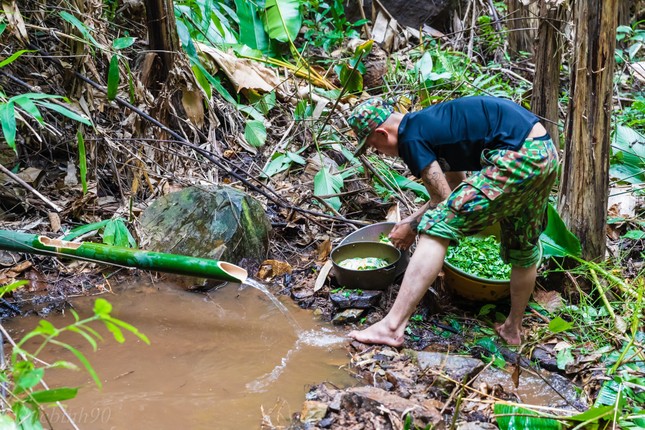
479,256
366,263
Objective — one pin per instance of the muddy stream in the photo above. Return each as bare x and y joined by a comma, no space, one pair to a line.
216,360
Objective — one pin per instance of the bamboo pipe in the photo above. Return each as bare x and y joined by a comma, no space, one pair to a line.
148,260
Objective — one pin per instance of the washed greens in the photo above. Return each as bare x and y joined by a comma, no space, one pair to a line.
479,256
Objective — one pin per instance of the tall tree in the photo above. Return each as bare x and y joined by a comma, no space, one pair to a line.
585,172
163,43
548,59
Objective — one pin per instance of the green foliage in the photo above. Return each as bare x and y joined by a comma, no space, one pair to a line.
115,232
327,25
479,256
511,417
24,371
630,41
325,184
627,162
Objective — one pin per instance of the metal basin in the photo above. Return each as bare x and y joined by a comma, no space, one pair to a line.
374,279
372,233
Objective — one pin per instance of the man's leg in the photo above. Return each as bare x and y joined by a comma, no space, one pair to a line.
522,285
425,264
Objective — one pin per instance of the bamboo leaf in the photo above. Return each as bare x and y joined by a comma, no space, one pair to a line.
66,112
325,184
82,28
255,133
132,329
14,57
54,395
282,19
81,230
82,160
113,78
8,120
27,103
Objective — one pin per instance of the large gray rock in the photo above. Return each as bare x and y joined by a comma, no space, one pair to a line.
220,223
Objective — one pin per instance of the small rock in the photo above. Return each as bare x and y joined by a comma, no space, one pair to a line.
313,411
476,425
347,316
455,366
351,299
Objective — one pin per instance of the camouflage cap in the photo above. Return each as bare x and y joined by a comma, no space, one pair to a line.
366,117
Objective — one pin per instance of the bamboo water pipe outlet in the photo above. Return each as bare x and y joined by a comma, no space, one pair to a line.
121,256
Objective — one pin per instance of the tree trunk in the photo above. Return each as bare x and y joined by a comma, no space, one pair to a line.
163,43
518,22
548,59
585,172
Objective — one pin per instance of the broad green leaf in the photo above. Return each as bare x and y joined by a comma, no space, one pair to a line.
113,78
14,56
28,379
424,66
215,82
202,81
46,328
3,27
102,307
516,418
350,79
325,184
593,414
54,395
27,417
123,42
635,234
252,31
66,112
109,233
628,155
279,163
6,422
8,120
557,240
282,19
255,133
557,325
564,358
82,160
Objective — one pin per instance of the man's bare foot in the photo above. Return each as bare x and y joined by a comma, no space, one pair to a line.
512,335
378,333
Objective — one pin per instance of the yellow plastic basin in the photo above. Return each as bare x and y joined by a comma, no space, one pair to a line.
476,288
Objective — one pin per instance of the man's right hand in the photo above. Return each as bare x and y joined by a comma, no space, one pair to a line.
403,233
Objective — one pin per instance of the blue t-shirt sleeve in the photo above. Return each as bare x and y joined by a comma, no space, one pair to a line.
417,155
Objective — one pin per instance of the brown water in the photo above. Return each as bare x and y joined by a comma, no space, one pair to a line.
215,360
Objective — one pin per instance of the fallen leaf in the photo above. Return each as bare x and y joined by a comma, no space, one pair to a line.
549,300
269,269
322,275
323,250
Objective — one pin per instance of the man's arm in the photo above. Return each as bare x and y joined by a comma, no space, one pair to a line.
403,234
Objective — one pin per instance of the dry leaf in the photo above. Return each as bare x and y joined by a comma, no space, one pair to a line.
324,249
272,268
193,103
322,275
16,23
549,300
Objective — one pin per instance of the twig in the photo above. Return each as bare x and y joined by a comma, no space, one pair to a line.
29,188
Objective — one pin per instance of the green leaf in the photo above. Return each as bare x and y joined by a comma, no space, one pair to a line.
12,287
82,28
635,234
14,56
66,112
3,27
564,358
593,414
8,120
79,355
102,307
46,328
350,79
558,325
252,32
135,331
255,133
557,240
628,155
123,42
282,19
424,66
27,103
113,78
54,395
516,418
115,330
83,229
6,422
325,184
202,81
109,233
82,160
27,417
87,337
26,380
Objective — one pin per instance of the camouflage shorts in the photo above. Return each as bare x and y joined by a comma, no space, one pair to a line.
513,189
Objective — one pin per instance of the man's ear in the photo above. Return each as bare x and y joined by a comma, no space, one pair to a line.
381,131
